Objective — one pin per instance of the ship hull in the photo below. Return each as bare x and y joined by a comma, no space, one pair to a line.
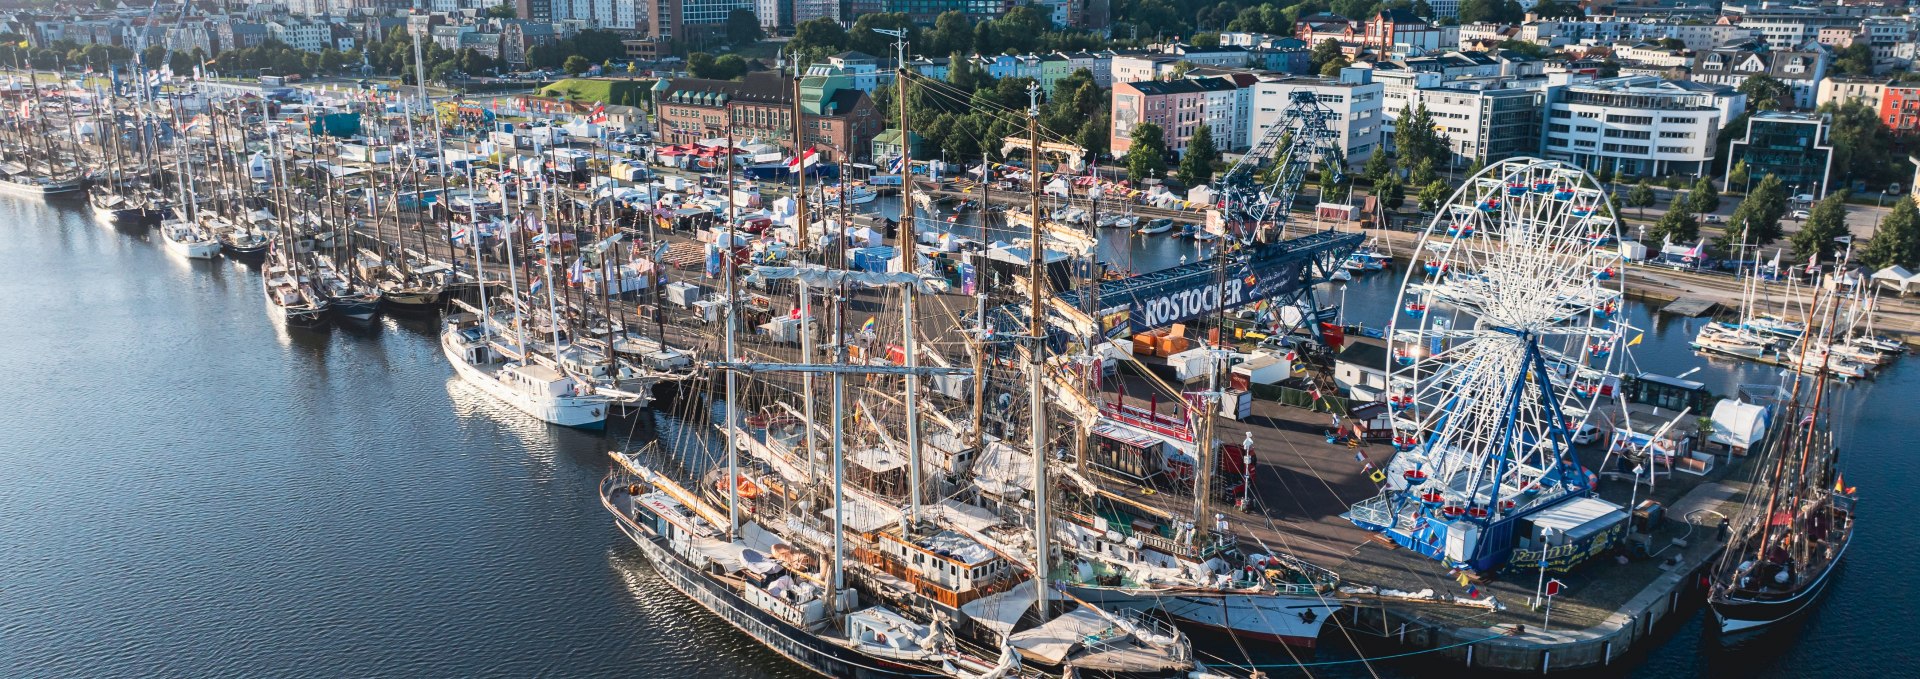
1741,616
797,645
38,189
1288,619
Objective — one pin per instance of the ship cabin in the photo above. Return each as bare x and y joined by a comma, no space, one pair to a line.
539,380
879,469
944,566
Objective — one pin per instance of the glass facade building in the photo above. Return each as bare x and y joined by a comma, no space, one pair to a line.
1791,146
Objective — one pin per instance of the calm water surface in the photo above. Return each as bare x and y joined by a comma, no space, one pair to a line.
188,490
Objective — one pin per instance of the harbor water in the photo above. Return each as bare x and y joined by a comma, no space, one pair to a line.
189,490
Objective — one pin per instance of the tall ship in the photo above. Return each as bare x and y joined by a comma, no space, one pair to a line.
1798,521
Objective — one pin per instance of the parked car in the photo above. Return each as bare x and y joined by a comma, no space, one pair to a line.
1799,214
1587,435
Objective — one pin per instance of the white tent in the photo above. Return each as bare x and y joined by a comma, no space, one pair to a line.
1738,424
1897,277
1202,194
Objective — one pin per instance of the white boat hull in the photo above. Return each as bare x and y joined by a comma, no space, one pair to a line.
1294,620
585,413
206,249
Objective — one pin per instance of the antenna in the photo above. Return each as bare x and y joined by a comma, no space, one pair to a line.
899,44
1033,99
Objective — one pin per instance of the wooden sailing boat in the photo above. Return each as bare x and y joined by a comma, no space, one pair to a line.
1798,522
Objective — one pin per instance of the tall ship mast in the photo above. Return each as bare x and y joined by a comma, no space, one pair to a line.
1799,519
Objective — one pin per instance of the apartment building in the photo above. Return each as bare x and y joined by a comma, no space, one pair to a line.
1842,89
1355,99
1801,70
1900,108
1640,125
1179,107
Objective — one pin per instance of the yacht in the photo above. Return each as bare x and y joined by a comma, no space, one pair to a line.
189,239
508,374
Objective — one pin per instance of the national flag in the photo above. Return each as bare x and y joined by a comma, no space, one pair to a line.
1813,262
599,113
1250,280
1473,591
805,159
460,232
578,273
535,286
1360,458
1839,482
870,325
1636,339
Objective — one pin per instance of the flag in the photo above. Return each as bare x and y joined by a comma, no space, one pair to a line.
599,113
1377,476
460,232
1464,581
894,166
870,325
535,286
1473,591
577,274
1360,457
805,159
1813,262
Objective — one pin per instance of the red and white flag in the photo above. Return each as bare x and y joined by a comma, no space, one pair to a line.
598,115
806,159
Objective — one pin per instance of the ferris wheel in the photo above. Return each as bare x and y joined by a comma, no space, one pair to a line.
1503,340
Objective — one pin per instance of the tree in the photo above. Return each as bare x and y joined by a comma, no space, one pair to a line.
1676,226
1206,40
730,66
951,34
576,65
1862,145
1327,50
1414,138
1423,173
1738,175
1702,198
1896,240
1423,9
1332,68
1146,154
1548,9
503,10
1333,184
1756,221
1609,68
1432,195
743,28
1640,196
1854,59
1504,12
1827,221
1196,167
1391,193
822,34
1523,47
1378,167
1766,93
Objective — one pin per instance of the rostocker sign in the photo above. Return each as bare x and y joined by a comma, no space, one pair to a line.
1203,296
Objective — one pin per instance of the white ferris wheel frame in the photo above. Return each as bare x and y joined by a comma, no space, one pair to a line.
1532,284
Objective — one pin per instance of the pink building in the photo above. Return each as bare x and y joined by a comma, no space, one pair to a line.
1179,107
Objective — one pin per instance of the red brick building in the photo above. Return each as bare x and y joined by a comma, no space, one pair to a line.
839,122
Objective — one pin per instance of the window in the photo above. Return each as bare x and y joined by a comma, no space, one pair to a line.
1584,143
1664,120
1676,135
1587,114
1676,149
1629,134
1630,120
1621,148
1559,128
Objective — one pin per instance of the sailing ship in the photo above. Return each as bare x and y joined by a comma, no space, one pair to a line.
1798,522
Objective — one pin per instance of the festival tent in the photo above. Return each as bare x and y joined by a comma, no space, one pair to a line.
1898,278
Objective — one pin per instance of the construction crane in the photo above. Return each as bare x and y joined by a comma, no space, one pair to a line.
1250,206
